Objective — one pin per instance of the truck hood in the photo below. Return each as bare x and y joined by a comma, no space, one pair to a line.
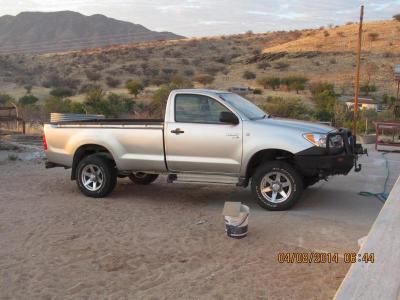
296,125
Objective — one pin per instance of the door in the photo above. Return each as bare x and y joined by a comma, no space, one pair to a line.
198,142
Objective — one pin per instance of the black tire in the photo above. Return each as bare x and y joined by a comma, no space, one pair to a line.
290,184
143,178
106,167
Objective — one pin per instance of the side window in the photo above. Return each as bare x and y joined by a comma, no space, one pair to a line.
197,109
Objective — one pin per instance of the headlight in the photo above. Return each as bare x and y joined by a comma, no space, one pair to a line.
319,140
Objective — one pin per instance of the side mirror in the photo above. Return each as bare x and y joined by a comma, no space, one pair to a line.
228,117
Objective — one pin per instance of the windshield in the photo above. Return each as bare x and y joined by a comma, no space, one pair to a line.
248,109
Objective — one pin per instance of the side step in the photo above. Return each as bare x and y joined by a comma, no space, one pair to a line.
201,178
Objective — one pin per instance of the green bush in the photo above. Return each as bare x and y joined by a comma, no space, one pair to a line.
293,82
160,98
248,75
111,105
271,82
287,108
134,87
112,82
367,88
28,100
62,92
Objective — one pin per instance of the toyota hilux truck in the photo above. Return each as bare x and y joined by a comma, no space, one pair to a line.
208,137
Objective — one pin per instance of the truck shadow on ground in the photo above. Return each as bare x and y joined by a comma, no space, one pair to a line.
323,198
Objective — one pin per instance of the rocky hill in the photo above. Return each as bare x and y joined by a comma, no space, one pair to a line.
33,32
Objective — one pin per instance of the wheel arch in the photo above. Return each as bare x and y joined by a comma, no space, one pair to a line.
85,150
266,155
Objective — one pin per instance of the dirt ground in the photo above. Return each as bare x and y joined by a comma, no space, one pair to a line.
167,241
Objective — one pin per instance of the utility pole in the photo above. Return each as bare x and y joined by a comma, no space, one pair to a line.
357,83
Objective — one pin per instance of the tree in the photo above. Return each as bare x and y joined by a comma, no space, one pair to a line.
134,87
160,98
249,75
397,17
272,82
28,88
5,98
28,100
204,79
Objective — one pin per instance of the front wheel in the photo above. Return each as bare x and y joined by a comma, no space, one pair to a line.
276,185
143,178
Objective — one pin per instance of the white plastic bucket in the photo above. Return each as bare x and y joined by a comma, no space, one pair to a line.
237,227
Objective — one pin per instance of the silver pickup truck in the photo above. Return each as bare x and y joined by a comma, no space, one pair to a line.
207,137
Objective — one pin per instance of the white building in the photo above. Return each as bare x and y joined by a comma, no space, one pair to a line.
364,103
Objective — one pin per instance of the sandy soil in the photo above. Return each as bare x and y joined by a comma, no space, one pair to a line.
161,241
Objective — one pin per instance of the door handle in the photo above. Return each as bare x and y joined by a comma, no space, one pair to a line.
177,131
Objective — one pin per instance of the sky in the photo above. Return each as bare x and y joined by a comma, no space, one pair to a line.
217,17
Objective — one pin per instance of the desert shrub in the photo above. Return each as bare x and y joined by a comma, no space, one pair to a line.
388,100
112,105
340,33
326,33
12,157
333,61
92,75
367,88
5,98
181,82
160,98
257,92
373,36
263,65
62,92
204,79
287,108
293,82
112,82
249,75
59,105
85,88
28,100
188,72
169,71
397,17
320,87
134,87
271,82
281,65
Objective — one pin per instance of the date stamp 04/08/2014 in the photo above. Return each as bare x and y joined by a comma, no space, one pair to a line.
324,257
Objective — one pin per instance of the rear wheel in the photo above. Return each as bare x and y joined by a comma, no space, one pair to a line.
96,176
276,185
143,178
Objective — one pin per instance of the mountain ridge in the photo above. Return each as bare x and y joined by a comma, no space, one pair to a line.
30,32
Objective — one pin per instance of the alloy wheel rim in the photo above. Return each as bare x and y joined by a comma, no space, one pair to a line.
276,187
92,177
